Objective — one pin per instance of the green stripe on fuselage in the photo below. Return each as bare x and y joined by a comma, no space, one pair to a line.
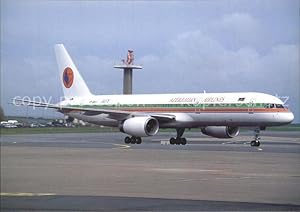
172,106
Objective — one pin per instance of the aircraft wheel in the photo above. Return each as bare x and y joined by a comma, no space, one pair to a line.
257,143
178,141
183,141
127,140
172,141
133,140
138,140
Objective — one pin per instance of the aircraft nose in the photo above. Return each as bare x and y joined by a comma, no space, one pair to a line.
289,117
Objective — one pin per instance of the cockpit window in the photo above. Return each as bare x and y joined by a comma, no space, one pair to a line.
279,106
241,99
273,105
269,105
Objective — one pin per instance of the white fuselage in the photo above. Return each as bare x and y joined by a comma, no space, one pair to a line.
190,110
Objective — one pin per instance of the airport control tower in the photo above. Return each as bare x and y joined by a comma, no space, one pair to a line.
128,68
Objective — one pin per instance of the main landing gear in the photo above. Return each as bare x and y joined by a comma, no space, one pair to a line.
256,142
178,140
133,140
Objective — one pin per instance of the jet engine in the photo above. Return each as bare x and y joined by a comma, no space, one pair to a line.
221,131
140,126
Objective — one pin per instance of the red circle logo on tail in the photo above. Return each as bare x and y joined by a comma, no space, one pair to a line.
68,77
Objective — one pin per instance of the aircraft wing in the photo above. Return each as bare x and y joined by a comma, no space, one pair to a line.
113,114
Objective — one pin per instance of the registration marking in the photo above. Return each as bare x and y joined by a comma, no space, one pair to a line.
23,194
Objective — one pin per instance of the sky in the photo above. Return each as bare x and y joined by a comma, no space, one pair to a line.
184,46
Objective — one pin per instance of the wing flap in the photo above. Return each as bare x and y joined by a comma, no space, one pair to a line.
114,114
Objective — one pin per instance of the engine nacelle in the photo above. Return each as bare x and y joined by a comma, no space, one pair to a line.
221,131
140,126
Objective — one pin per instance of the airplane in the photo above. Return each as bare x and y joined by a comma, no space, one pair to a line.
219,115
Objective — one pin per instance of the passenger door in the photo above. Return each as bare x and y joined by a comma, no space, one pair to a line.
251,106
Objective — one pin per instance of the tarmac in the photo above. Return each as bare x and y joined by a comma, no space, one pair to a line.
98,172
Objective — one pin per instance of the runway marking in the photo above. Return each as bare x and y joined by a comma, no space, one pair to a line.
21,194
233,178
122,146
164,142
178,170
230,142
259,149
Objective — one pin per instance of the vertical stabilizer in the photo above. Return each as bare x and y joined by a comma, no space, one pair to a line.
72,83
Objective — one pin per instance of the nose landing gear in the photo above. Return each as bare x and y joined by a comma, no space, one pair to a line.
256,142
